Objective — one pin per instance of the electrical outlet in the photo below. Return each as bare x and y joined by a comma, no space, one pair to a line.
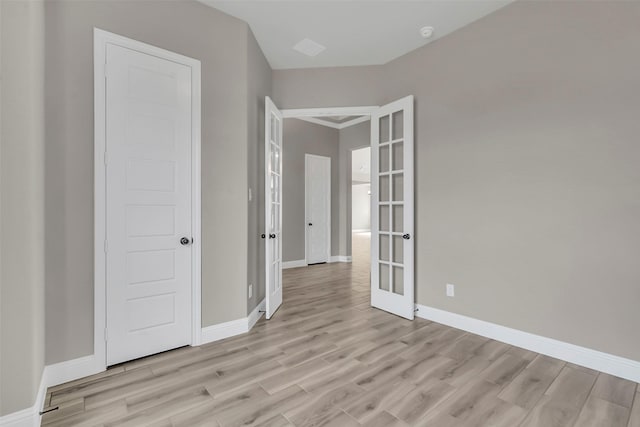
451,290
250,290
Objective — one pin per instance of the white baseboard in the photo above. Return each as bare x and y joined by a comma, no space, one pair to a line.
52,375
593,359
303,263
234,327
29,417
256,314
224,330
294,264
60,373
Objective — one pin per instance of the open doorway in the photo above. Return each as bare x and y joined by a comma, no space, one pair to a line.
391,190
361,206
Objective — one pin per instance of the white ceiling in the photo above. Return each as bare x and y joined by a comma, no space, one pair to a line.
354,32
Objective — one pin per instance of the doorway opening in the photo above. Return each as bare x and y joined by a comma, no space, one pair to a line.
390,133
361,205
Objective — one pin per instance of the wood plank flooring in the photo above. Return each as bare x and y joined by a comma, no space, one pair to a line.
328,359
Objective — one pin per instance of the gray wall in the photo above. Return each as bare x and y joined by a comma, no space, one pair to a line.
527,176
186,27
360,207
351,138
300,138
259,86
21,204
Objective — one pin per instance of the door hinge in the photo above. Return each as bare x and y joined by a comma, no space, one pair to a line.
106,73
106,335
106,246
106,158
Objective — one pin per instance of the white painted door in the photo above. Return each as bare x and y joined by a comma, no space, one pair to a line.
318,208
392,239
148,204
273,206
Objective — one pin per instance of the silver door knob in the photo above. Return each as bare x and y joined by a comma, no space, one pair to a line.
406,236
185,241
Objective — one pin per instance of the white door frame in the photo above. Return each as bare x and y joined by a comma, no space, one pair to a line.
101,39
306,212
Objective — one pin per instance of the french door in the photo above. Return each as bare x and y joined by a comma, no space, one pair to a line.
392,247
273,206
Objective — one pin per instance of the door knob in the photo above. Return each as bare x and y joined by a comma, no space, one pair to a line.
310,224
406,236
263,235
185,241
272,236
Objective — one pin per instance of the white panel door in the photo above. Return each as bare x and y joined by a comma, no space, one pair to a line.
318,208
392,247
148,204
273,206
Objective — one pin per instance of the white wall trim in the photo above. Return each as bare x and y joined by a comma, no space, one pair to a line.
340,258
234,327
355,121
52,375
224,330
294,264
69,370
593,359
60,373
29,417
335,125
329,111
101,39
320,122
256,314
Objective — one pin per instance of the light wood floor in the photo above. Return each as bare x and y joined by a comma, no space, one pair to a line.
328,359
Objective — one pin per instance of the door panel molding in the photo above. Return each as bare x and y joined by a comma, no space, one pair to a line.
101,40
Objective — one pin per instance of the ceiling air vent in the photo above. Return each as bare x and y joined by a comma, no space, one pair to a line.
309,47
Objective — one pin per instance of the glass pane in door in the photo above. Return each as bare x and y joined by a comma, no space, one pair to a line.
398,280
384,158
397,125
384,129
398,219
397,184
384,247
383,189
397,154
397,249
384,218
384,277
